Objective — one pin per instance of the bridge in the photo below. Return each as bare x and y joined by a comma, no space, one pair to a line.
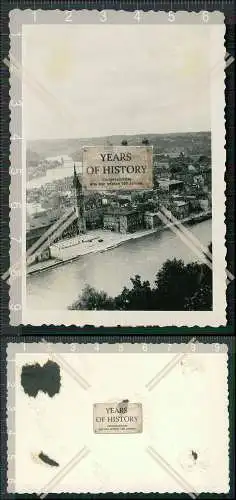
52,233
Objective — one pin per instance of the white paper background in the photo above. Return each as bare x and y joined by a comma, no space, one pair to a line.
187,411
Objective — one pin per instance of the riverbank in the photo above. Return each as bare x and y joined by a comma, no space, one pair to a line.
100,241
57,288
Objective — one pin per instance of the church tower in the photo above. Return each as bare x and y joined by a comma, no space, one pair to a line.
80,203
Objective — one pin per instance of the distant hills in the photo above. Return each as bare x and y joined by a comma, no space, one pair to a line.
32,156
190,143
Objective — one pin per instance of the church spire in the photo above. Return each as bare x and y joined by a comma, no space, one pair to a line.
75,179
80,202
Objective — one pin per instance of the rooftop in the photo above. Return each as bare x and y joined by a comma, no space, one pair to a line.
43,220
161,164
180,203
171,182
37,224
151,213
120,212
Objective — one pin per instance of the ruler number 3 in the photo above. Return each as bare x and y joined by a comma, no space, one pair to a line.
103,16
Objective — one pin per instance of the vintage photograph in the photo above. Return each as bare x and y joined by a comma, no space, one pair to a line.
122,154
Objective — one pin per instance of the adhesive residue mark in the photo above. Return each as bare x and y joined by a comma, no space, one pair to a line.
46,378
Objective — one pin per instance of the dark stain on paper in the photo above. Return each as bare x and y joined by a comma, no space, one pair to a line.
123,404
46,378
48,460
194,455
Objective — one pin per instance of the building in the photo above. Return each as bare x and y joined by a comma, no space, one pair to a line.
94,218
191,168
194,205
207,176
161,170
151,220
34,233
204,204
198,180
180,209
81,221
35,209
171,185
124,198
38,228
123,221
176,153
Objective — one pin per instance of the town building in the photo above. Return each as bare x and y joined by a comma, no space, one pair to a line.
35,209
204,204
151,220
207,177
123,221
176,153
171,185
198,180
194,204
161,169
34,232
94,218
124,198
180,209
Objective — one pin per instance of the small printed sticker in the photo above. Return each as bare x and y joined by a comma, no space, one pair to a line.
121,418
117,168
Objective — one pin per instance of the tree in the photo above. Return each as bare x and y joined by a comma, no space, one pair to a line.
145,141
91,299
124,142
135,299
176,169
176,283
201,300
204,160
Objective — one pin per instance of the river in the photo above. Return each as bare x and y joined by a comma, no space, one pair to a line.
57,173
110,271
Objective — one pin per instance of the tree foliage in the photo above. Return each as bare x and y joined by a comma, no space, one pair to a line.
177,287
91,299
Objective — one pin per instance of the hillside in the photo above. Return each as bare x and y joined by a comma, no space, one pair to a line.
192,143
32,156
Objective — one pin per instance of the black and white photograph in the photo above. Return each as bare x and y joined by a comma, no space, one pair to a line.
123,159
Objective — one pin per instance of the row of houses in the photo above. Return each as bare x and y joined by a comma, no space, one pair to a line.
189,174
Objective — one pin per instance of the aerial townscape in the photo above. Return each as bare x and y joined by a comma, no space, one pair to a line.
65,221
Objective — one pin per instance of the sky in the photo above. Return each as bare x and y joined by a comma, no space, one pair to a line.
96,80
